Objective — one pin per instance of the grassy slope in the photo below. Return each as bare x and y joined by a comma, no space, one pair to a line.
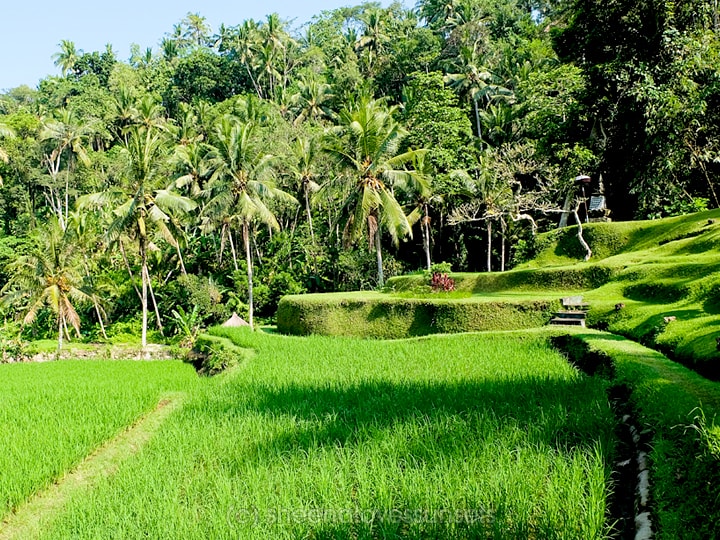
664,268
681,408
657,269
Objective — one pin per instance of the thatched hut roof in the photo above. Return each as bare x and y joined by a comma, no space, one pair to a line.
235,321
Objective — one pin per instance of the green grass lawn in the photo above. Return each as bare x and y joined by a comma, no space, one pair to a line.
490,436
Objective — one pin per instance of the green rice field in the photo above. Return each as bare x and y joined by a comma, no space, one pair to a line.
457,436
54,414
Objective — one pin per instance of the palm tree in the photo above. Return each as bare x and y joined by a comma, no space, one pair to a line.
418,187
437,12
66,137
303,167
197,28
366,144
470,79
140,205
48,276
375,35
67,57
240,185
312,100
192,160
245,47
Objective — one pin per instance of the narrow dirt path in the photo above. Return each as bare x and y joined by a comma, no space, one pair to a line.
28,520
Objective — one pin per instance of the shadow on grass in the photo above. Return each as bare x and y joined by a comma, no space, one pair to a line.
552,413
427,424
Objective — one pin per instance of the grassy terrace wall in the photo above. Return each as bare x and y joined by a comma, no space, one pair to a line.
382,316
553,279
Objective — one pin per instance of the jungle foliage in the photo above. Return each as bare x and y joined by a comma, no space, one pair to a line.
225,169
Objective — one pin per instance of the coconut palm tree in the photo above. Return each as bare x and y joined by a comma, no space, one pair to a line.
65,137
240,186
197,30
50,275
303,167
67,57
312,100
140,206
417,186
366,145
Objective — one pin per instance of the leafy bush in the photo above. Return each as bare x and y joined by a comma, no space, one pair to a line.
442,282
189,292
187,325
212,355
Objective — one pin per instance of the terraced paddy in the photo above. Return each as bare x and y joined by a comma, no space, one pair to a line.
476,435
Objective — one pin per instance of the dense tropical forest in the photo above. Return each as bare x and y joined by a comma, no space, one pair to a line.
227,167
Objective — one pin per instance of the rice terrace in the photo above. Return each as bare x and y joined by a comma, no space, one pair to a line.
448,270
501,433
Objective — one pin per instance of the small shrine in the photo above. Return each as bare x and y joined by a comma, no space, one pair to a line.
591,196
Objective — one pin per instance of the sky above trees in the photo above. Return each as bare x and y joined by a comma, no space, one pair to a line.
32,30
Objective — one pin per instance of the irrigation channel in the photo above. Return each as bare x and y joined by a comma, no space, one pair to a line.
629,507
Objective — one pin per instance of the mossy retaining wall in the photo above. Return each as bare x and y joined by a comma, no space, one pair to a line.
395,318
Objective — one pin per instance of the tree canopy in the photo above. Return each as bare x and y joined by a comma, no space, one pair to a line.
324,150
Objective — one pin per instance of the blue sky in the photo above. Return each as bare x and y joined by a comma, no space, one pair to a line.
30,30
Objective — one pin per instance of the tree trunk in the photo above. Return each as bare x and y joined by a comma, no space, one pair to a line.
489,245
477,120
94,298
567,209
425,228
309,215
502,244
127,266
232,247
248,260
99,316
378,255
155,306
144,296
182,263
60,335
588,251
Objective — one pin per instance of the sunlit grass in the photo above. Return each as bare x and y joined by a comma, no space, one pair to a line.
53,414
444,437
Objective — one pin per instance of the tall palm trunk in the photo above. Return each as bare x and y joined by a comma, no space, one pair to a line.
309,215
378,255
154,301
144,296
477,119
248,259
425,228
232,248
60,333
502,245
489,246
